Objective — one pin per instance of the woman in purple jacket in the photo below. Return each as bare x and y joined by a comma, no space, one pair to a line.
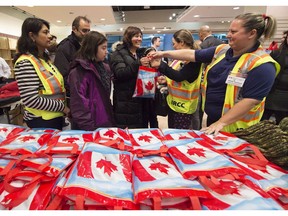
90,85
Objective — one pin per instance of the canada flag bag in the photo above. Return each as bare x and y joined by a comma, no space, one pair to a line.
146,82
102,177
158,184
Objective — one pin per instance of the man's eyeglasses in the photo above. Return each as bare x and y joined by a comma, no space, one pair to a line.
84,31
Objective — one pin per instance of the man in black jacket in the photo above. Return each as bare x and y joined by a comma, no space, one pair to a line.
66,50
208,40
68,47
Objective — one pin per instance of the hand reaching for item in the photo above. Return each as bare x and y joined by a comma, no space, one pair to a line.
214,128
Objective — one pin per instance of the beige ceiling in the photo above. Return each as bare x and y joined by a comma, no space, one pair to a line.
217,17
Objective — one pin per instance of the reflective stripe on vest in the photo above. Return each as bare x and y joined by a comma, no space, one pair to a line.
52,82
183,96
245,63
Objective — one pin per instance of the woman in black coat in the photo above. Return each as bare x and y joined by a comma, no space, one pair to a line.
124,62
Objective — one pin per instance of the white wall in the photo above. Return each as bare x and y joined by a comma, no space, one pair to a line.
10,25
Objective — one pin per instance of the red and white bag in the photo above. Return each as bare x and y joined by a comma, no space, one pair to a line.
158,184
7,131
24,143
67,143
147,141
146,82
100,177
113,137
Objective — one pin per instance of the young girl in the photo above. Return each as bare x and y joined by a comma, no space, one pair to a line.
90,85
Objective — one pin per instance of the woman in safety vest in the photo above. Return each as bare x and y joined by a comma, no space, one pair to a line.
239,76
40,83
183,81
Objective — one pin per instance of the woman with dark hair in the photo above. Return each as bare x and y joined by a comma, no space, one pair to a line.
40,83
183,81
90,85
277,101
129,112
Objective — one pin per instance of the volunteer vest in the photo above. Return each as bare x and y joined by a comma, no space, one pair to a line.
245,63
53,85
183,96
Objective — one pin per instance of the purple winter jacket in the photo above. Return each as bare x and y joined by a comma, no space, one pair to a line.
90,103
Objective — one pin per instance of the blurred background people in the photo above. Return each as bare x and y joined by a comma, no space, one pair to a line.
40,83
52,48
5,71
206,37
277,101
90,85
156,42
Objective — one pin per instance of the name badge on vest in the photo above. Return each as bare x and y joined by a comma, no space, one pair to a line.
235,80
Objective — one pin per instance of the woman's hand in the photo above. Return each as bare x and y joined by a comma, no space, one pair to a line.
161,80
145,61
155,63
157,55
214,128
66,111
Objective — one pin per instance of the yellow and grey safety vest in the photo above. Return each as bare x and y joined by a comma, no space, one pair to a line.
53,85
183,96
245,63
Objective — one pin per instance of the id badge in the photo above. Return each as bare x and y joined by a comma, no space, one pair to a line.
235,81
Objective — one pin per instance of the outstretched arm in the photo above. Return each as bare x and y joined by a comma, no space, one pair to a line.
182,54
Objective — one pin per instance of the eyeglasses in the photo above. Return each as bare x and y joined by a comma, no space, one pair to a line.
84,31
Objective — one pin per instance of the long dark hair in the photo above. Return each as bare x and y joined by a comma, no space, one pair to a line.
90,44
25,44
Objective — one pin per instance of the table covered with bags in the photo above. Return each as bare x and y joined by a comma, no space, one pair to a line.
135,169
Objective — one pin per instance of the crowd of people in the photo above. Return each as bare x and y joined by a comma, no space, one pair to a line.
75,78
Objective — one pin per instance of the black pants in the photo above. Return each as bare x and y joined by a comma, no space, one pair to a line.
279,115
56,123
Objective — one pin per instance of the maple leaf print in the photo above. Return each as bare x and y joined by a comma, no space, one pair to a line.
70,139
198,151
229,186
149,85
160,166
4,129
110,133
220,138
145,138
108,166
26,138
183,137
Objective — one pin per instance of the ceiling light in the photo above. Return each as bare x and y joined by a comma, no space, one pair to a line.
158,31
121,29
153,28
236,8
170,18
173,14
197,15
102,19
59,21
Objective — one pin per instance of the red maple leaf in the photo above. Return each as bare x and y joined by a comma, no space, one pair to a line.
149,85
183,137
198,151
26,138
110,133
108,166
145,138
4,129
220,138
229,186
160,166
70,139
